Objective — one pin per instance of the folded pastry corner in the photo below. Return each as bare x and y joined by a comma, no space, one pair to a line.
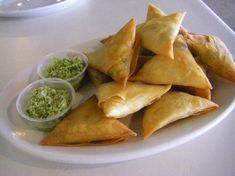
87,125
172,106
154,12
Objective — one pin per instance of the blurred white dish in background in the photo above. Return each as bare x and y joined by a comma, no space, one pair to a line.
19,8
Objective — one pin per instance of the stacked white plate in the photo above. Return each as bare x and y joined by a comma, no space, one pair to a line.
19,8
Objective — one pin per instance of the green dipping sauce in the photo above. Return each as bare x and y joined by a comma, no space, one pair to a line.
45,102
64,68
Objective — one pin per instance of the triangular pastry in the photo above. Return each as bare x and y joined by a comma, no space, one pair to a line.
115,56
173,106
158,34
182,70
118,102
87,125
214,54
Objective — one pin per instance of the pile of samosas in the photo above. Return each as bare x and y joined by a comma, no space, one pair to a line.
157,65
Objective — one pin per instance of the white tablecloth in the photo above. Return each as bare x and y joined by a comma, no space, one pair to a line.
213,153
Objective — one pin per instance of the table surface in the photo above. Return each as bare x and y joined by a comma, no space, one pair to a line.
225,9
213,153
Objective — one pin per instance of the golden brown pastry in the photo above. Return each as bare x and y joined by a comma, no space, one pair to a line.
98,77
87,125
204,93
182,70
118,102
214,54
171,107
154,12
158,34
115,56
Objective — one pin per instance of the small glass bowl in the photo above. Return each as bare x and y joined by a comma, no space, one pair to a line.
76,81
45,124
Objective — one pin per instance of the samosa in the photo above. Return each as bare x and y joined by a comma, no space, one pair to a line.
204,93
118,102
182,70
115,56
172,106
214,54
158,34
87,125
156,12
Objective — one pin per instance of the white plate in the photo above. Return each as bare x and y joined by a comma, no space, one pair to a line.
18,8
27,139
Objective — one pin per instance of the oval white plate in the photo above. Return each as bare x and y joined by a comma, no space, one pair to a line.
19,8
27,139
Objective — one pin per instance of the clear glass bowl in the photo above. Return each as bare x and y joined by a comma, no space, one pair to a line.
46,124
76,81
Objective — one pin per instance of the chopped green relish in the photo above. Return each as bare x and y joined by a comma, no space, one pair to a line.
64,68
45,102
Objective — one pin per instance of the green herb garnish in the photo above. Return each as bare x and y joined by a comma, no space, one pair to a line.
45,102
64,68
